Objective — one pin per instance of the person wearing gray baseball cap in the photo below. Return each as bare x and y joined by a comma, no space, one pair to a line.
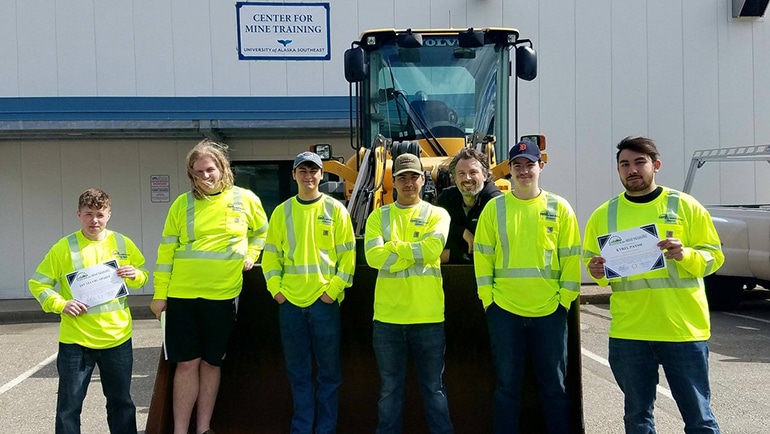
309,260
404,241
307,157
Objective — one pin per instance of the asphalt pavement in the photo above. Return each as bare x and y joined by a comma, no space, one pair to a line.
740,366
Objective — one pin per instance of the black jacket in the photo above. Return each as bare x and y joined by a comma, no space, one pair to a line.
452,200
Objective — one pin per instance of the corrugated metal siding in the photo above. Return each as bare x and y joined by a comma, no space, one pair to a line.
682,72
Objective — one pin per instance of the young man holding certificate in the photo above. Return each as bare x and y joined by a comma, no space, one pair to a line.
660,316
91,264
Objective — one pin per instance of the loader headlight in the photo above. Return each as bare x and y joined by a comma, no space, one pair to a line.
324,150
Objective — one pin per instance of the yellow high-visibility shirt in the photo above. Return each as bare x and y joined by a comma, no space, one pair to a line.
526,254
106,325
310,249
405,245
667,304
205,243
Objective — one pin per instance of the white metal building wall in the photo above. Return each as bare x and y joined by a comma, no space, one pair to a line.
682,72
41,182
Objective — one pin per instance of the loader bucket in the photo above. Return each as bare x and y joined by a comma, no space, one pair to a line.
255,397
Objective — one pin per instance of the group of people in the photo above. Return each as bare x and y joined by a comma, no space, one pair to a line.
525,247
526,250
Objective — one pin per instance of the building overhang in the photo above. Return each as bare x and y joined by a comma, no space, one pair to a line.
62,118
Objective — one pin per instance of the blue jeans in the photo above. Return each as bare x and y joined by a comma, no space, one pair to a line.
635,367
307,332
545,339
75,364
392,344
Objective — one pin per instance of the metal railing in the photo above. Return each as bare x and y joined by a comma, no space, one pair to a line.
737,153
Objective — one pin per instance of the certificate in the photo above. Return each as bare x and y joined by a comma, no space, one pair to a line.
632,251
97,284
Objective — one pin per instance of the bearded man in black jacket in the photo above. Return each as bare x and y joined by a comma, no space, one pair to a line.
464,202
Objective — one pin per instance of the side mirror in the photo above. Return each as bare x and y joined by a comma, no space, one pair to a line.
356,68
526,63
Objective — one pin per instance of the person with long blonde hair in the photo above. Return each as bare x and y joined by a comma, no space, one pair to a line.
213,233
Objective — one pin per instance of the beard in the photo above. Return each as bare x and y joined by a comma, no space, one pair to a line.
637,184
471,189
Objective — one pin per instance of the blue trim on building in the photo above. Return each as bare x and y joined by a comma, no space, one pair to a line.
174,108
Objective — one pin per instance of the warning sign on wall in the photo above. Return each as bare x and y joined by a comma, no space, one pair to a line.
160,188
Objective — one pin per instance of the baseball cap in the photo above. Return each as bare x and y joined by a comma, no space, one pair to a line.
527,150
407,163
306,157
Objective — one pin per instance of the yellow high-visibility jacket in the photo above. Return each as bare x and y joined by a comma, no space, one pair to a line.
310,249
106,325
526,254
205,243
667,304
405,245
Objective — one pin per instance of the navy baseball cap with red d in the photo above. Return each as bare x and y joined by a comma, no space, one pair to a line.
527,150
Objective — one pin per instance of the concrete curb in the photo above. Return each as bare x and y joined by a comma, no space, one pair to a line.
599,298
19,311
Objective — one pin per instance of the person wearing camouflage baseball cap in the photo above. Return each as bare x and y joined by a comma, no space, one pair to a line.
404,241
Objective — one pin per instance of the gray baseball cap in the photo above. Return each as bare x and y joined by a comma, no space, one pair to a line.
306,157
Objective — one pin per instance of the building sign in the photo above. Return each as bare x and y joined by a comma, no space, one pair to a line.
283,31
160,188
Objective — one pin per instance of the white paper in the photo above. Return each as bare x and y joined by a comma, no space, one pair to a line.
163,333
97,284
632,251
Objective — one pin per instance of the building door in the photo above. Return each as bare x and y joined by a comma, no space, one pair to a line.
270,180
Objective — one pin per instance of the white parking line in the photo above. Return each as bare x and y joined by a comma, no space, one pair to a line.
595,357
13,383
662,390
96,377
737,315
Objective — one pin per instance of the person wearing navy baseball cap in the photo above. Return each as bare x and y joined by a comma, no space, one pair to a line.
528,150
526,258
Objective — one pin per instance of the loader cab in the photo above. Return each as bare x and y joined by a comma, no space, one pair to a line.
444,88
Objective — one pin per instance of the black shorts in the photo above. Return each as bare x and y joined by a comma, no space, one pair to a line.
196,327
